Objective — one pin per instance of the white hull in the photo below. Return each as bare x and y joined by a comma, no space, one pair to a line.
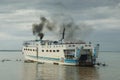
63,54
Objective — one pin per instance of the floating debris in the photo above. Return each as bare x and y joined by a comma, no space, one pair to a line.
101,64
6,60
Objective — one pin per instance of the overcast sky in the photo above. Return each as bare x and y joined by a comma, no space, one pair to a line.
17,17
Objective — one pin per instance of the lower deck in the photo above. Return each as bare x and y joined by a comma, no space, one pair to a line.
83,60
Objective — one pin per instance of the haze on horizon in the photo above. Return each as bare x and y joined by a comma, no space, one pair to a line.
17,17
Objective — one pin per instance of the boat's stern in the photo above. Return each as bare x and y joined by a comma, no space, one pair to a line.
81,54
88,54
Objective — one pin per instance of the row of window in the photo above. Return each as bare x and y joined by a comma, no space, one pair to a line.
30,49
87,45
50,50
42,50
69,56
60,46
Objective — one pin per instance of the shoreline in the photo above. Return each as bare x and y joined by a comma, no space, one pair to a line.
11,50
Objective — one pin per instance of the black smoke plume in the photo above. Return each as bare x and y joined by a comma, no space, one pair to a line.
37,28
72,31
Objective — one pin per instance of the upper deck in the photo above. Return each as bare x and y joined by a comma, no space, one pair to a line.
57,44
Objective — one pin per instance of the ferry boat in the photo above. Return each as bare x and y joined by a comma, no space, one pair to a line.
61,52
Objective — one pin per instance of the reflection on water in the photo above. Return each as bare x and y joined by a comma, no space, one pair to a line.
34,71
18,70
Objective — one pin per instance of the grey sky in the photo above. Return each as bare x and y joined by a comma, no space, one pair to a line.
17,16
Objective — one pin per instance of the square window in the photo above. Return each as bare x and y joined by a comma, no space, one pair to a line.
53,50
42,50
57,50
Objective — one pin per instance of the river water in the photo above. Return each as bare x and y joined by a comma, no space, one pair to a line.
12,67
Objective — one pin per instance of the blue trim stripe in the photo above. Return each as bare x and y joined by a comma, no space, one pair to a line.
71,61
95,52
45,58
55,59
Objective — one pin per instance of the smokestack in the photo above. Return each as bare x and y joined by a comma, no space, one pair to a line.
63,34
41,35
